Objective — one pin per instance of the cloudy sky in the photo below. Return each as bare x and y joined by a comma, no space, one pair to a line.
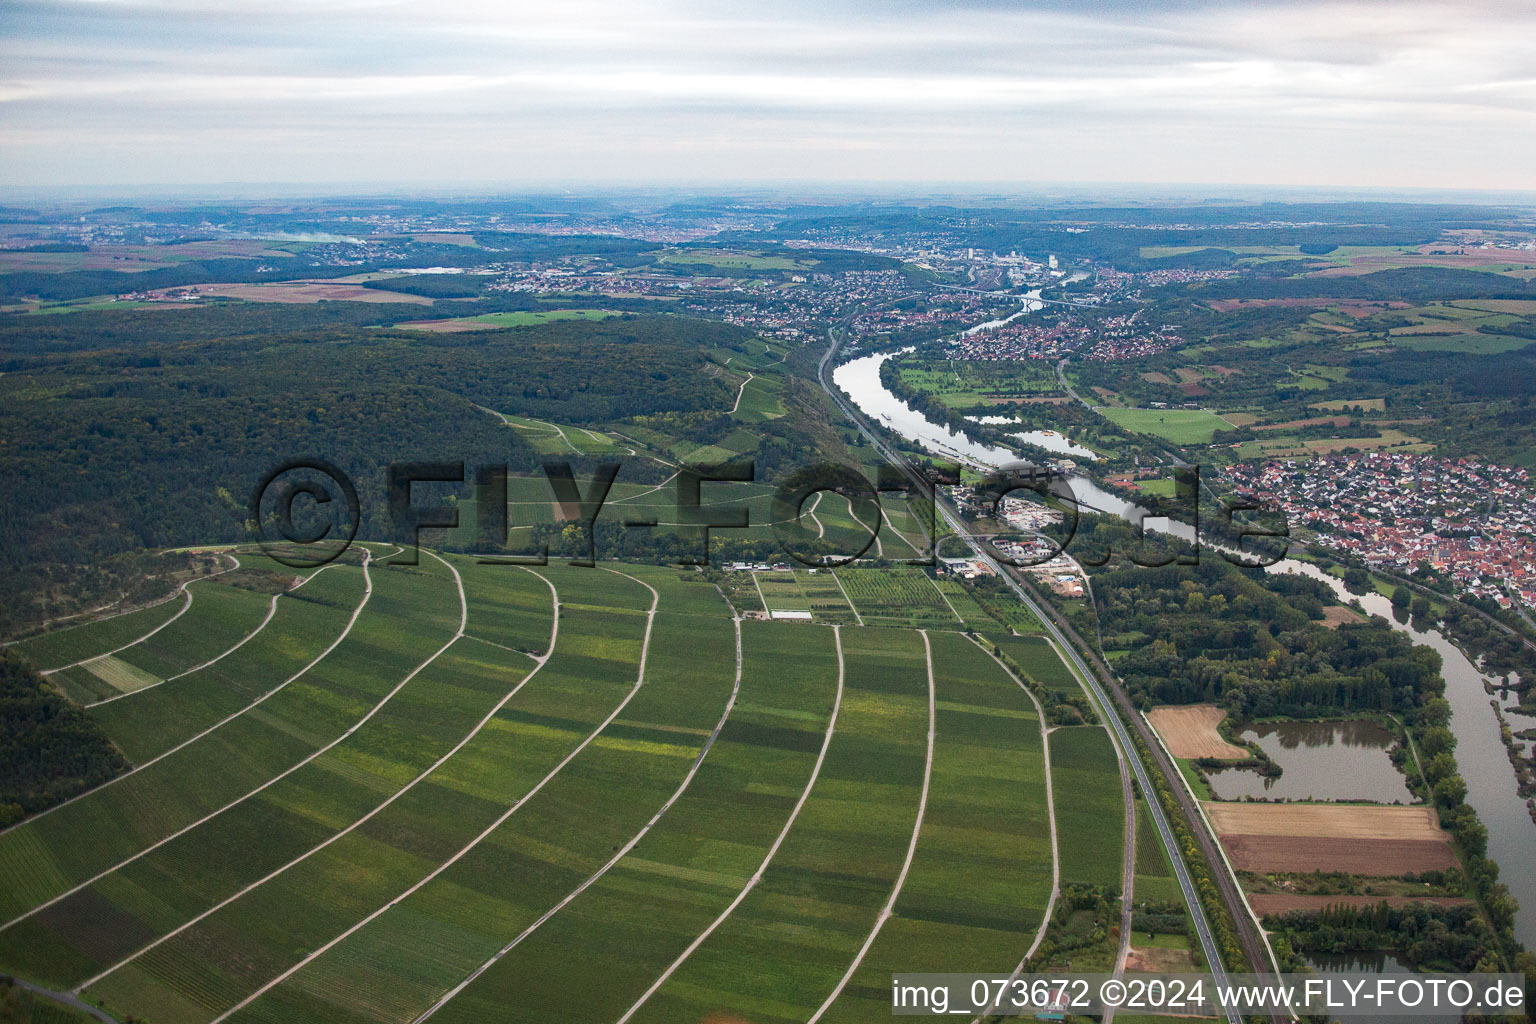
1389,93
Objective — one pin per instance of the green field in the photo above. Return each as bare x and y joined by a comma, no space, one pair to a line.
1477,344
1038,659
527,318
903,595
824,593
781,592
1089,814
961,385
1180,426
980,879
219,616
760,399
364,819
76,643
733,259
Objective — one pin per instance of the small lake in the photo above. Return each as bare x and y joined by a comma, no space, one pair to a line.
1491,786
1372,964
1319,761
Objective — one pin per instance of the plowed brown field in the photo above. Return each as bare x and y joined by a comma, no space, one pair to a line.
1190,731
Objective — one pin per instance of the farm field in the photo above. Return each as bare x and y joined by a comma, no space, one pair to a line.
1374,840
420,783
824,593
897,596
218,616
1039,660
1180,426
980,879
961,385
733,259
760,399
1154,879
54,650
782,595
501,321
304,622
1089,813
1265,904
1190,731
1355,821
308,291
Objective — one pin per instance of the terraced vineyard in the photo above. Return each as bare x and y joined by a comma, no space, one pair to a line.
386,793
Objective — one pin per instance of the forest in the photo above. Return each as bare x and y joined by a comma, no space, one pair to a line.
201,415
49,748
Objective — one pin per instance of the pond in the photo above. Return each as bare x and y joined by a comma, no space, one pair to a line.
1372,963
1492,789
1319,761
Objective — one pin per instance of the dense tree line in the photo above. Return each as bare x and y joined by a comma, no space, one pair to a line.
1429,936
1213,633
160,444
49,749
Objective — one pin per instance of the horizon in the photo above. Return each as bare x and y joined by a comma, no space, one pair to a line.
1287,94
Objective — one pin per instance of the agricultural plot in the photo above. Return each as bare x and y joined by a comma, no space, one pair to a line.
829,528
562,439
658,898
782,595
459,796
484,833
1190,731
409,614
825,596
1374,840
1154,876
404,950
760,399
508,605
304,623
904,534
1090,815
219,616
60,647
502,321
1179,426
733,259
973,615
289,809
1039,660
898,595
981,876
961,385
124,914
682,590
782,951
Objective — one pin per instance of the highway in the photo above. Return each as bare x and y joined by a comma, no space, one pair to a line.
1050,621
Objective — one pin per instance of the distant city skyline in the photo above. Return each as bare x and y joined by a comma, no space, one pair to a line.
1396,95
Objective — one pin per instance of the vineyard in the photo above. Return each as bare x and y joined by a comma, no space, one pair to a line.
378,792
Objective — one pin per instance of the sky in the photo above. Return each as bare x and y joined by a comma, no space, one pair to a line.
1384,94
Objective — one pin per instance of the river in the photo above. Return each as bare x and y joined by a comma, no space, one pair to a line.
1491,786
860,379
1031,303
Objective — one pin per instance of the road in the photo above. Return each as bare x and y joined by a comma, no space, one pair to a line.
1060,631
